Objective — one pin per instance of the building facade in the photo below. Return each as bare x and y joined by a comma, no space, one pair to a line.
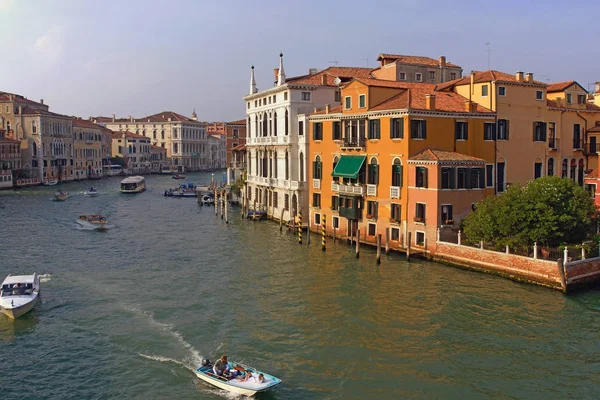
397,67
217,151
134,149
10,159
158,158
184,138
88,152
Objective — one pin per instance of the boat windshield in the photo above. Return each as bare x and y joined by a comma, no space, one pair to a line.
17,289
129,186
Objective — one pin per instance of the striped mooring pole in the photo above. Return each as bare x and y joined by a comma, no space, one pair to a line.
299,227
323,233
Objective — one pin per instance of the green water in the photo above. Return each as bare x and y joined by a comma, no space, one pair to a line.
129,313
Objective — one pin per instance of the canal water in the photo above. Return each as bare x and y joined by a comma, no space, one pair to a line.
130,312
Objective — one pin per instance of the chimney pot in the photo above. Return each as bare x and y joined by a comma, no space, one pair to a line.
597,87
470,106
316,109
323,80
430,101
442,61
41,101
529,77
519,76
327,108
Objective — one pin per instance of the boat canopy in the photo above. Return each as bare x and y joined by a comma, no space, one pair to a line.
348,166
18,279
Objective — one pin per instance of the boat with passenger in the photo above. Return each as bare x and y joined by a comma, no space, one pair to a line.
92,221
188,190
239,379
112,170
178,176
51,182
91,192
61,195
133,184
19,294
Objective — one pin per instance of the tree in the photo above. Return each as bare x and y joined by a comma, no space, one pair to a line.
550,211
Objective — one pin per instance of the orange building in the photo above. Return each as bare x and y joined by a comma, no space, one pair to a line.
391,146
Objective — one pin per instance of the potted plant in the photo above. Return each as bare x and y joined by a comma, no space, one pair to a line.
394,220
418,219
369,216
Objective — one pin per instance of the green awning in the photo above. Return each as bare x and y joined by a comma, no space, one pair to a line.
348,166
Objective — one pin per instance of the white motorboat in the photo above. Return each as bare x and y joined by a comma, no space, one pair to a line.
92,221
61,195
20,293
51,182
133,184
91,192
248,381
206,199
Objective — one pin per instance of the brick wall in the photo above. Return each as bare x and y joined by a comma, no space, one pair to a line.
582,273
541,272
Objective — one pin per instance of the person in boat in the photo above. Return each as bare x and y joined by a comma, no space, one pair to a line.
246,377
221,366
261,378
16,288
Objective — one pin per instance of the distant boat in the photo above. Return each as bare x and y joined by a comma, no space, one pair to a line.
178,176
112,170
51,182
133,184
19,294
249,387
91,192
92,221
61,196
188,190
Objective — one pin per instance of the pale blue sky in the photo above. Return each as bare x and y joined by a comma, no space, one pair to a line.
141,57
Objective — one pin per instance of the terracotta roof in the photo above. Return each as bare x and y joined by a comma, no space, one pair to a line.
130,135
332,110
414,60
430,154
486,76
238,122
559,86
5,96
160,117
344,73
84,123
595,128
588,106
152,146
239,147
35,111
595,174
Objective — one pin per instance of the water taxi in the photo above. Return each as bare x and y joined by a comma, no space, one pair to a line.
188,190
92,221
91,192
112,170
133,184
51,182
247,381
20,293
61,195
178,176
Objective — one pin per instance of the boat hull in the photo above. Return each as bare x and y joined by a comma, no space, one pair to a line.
226,386
89,225
233,385
59,197
16,312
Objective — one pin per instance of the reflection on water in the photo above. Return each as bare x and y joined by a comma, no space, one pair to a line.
130,312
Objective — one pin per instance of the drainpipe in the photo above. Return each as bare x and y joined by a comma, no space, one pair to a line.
496,142
584,137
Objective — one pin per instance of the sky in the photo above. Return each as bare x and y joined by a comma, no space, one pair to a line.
137,58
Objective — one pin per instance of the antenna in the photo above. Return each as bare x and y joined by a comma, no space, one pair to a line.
334,62
489,51
547,78
366,60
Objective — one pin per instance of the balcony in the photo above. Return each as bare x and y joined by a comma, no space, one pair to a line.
591,149
577,144
295,185
354,143
316,184
237,165
371,190
553,143
349,189
350,213
394,192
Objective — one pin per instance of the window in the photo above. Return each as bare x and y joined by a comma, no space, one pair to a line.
395,234
33,127
317,219
446,214
573,169
338,96
372,208
448,178
347,102
569,98
335,161
317,131
397,128
581,99
489,131
373,172
418,77
336,222
335,203
397,173
431,75
337,130
565,168
285,94
362,101
420,212
484,90
300,128
7,109
306,96
500,176
316,200
462,178
477,178
418,129
461,130
372,229
537,170
489,175
539,95
317,168
576,136
539,131
275,199
550,167
580,172
395,215
286,201
421,177
374,132
501,91
452,76
502,133
402,76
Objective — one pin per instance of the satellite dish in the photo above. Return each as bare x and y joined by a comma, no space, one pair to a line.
337,81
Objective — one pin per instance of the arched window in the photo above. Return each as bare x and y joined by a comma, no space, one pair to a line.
162,134
248,126
256,134
7,126
397,173
275,165
301,173
34,148
565,169
275,123
174,133
154,134
317,168
550,171
580,170
287,165
287,125
573,169
336,159
33,127
373,172
264,125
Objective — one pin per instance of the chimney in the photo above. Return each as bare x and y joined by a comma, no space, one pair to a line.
316,109
323,80
41,101
470,106
442,61
529,77
327,108
597,87
430,101
20,109
113,118
472,91
130,118
275,72
519,76
312,71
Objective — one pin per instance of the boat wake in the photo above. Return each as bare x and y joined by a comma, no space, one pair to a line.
165,359
45,278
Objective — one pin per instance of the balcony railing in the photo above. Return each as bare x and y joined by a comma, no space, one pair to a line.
296,185
335,186
352,189
371,190
354,143
577,144
590,148
237,165
553,143
395,192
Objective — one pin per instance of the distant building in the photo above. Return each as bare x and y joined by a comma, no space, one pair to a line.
397,67
10,159
134,149
158,158
87,145
235,132
217,151
216,127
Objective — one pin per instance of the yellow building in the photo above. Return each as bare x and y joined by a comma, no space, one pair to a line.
135,151
87,144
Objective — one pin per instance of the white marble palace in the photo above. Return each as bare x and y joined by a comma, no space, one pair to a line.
276,138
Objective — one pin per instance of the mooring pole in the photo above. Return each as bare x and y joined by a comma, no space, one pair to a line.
408,247
357,243
323,232
226,211
387,240
299,227
379,248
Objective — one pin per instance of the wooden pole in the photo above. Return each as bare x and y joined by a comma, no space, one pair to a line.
387,240
323,228
379,248
308,227
222,205
216,202
226,211
299,227
333,234
254,212
408,247
351,232
357,243
281,221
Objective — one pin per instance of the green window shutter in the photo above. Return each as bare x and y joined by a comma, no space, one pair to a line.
452,178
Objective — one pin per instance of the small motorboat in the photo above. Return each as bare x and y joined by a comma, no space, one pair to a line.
19,294
51,182
178,176
188,190
207,199
61,195
246,380
92,221
91,192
